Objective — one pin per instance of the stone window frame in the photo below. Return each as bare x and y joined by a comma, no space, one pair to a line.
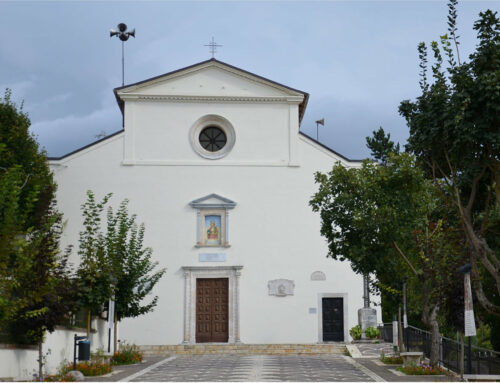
191,273
217,121
214,208
320,314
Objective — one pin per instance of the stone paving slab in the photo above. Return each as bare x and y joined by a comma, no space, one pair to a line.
121,372
374,350
258,368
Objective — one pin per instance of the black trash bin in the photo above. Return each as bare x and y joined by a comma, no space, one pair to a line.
84,350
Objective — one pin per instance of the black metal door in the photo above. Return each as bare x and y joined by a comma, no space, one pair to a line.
333,319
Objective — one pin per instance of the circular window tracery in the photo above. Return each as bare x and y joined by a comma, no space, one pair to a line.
212,136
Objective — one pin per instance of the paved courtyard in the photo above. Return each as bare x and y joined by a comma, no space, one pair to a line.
304,368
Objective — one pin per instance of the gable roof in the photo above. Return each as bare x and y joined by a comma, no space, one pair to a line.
302,105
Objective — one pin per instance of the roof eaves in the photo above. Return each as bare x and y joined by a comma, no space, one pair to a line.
85,147
328,148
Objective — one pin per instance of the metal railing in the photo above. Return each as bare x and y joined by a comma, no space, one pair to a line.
477,360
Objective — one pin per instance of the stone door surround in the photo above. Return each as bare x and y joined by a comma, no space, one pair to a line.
191,273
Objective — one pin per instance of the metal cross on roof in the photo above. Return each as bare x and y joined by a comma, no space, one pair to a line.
213,47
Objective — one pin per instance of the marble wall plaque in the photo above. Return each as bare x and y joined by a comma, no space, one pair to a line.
318,276
281,287
212,257
367,317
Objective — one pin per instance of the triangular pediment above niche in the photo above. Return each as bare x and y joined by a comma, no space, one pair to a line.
213,201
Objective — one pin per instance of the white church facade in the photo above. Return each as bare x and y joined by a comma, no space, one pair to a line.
212,161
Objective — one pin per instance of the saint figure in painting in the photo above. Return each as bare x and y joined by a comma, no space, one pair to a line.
212,232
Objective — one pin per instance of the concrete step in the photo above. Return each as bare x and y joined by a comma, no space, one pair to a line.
244,349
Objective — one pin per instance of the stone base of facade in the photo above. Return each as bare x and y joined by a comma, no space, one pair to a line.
245,349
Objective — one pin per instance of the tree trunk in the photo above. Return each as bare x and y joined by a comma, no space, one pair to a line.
462,354
115,332
88,323
401,343
435,337
40,360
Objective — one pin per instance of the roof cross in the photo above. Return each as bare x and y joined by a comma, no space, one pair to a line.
213,47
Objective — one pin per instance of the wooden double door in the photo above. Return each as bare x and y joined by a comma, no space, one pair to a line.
212,310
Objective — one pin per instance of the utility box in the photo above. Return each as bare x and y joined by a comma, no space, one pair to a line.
84,350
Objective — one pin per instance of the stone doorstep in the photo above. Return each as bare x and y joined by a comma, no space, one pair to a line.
266,349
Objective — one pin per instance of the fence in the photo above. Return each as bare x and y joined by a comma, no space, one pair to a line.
386,332
477,360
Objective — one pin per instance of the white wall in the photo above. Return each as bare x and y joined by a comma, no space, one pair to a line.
22,363
273,232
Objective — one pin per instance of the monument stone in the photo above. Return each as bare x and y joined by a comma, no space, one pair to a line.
367,316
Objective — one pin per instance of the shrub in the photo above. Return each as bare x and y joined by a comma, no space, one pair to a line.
356,332
391,359
421,369
62,374
128,354
372,332
94,368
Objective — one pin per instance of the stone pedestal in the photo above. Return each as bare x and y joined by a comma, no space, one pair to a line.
411,358
367,317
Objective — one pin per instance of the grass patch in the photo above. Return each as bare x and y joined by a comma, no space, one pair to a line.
391,359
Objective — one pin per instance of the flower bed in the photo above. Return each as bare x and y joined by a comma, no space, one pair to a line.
421,369
59,378
93,368
128,354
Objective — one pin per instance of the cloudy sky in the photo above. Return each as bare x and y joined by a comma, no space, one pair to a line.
357,59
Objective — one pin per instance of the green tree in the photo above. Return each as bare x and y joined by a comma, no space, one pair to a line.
381,145
455,135
34,277
133,269
45,285
11,239
95,269
381,219
114,264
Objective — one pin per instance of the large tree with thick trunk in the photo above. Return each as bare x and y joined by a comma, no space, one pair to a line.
455,136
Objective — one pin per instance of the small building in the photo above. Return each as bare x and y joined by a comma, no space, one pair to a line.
213,162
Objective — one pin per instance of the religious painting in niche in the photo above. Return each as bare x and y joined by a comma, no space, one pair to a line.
212,229
212,220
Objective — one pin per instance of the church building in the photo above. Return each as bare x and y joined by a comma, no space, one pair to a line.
213,162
